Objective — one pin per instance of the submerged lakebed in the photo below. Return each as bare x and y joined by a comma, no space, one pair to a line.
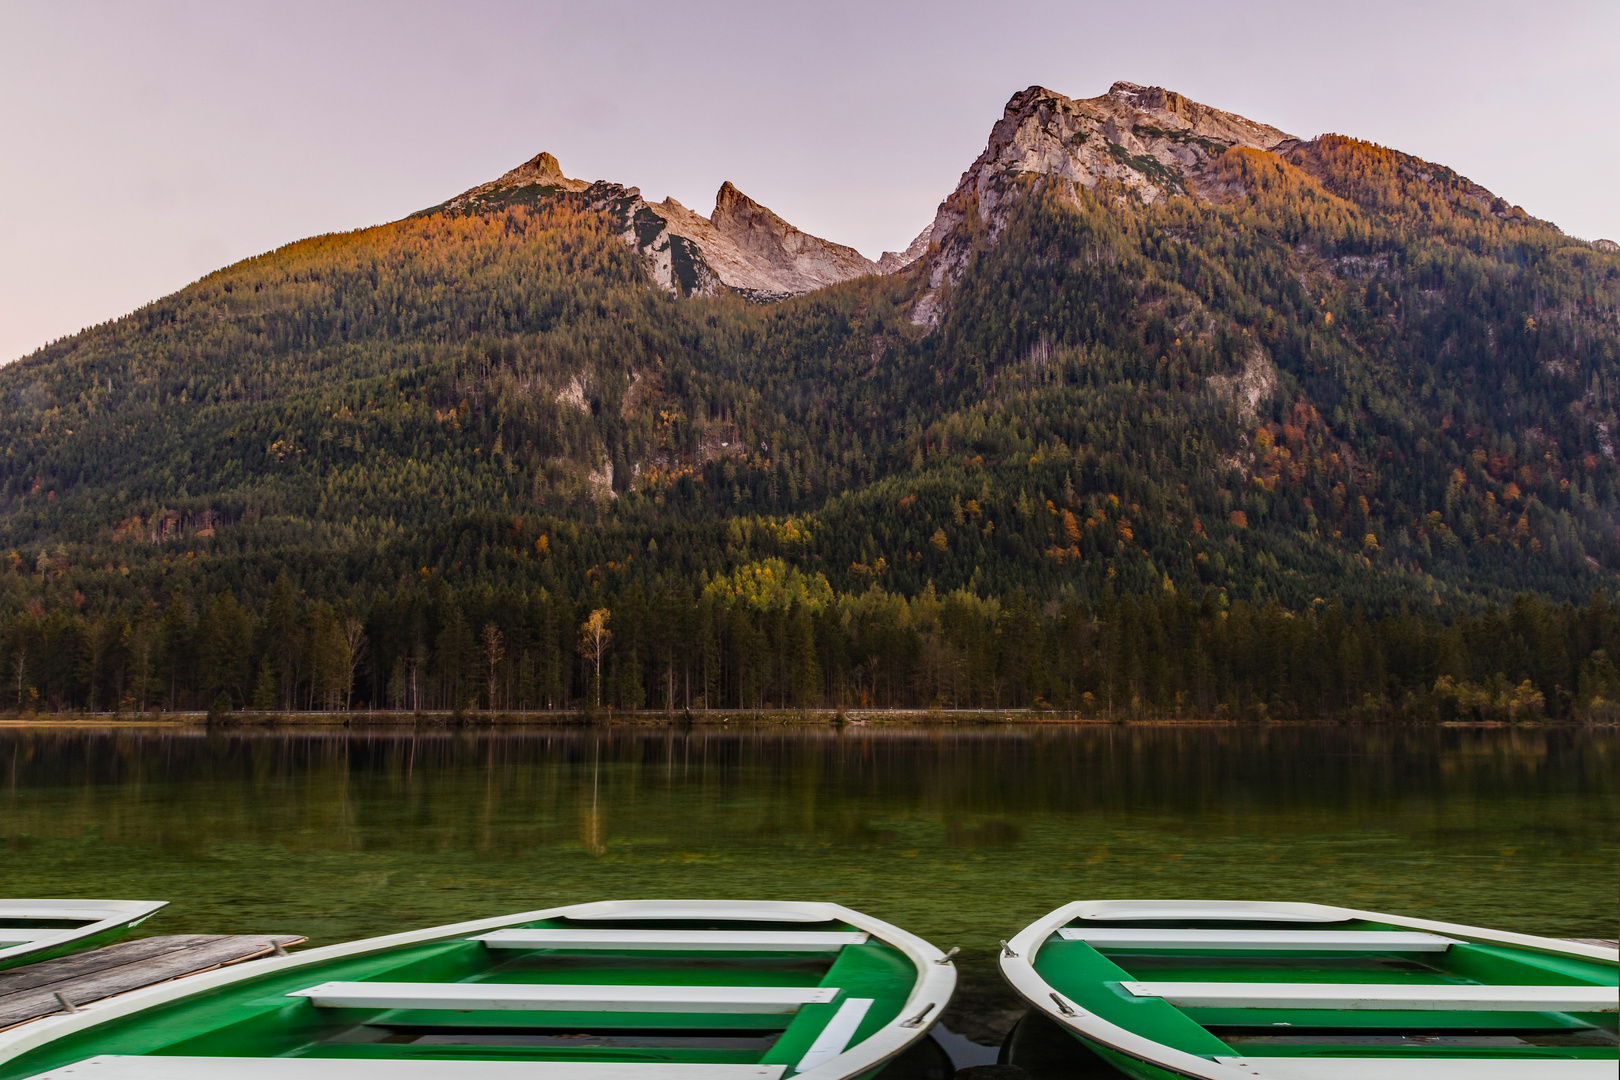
960,834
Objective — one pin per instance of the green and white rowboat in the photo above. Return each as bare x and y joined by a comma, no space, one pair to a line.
1233,990
33,930
618,990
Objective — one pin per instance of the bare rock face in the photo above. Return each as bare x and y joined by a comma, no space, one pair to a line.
754,251
1151,142
1607,245
893,262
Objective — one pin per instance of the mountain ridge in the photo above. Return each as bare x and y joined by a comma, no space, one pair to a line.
742,246
1198,417
1273,290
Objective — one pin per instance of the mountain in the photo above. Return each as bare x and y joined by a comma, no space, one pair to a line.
742,247
1164,404
1147,141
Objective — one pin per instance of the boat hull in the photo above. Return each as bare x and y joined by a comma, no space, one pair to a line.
1237,991
461,995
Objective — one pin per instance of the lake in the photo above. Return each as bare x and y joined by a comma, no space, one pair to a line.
961,834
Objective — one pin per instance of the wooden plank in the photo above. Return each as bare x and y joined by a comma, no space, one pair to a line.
566,997
30,992
164,1067
1420,1068
684,940
1281,940
1443,997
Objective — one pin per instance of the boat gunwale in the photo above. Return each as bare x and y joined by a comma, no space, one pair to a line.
935,979
1019,969
105,916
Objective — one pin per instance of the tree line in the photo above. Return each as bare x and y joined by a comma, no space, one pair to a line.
768,637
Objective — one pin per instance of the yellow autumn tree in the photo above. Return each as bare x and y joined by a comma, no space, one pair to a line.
594,636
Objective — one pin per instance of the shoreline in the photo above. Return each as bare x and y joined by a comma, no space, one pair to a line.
818,718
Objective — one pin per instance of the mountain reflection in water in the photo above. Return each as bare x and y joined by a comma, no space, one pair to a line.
959,834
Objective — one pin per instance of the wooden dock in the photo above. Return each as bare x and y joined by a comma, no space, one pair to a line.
64,984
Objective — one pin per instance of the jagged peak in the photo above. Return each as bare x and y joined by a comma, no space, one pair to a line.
735,211
542,169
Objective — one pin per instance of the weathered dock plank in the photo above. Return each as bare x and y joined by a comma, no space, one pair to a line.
36,990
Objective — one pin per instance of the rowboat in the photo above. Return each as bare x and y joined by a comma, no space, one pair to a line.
615,990
33,930
1233,990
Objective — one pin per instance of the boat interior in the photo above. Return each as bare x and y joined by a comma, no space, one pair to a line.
1241,991
738,997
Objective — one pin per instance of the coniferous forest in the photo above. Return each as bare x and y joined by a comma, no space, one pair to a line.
1335,444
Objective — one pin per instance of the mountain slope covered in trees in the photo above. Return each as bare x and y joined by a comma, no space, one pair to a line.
1174,409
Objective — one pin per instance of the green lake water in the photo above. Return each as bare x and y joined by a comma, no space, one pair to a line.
960,834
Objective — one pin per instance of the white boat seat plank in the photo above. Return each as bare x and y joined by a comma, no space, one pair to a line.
835,1037
163,1067
1281,940
675,940
1415,1068
789,911
1361,996
566,997
1214,910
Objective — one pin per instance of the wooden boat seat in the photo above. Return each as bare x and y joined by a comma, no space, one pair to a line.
163,1067
683,940
566,997
1420,1068
1282,940
1443,997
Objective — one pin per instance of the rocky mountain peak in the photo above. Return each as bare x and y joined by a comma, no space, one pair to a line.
782,257
541,172
743,246
541,169
1147,141
728,201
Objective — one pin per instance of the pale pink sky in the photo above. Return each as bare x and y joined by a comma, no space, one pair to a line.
147,143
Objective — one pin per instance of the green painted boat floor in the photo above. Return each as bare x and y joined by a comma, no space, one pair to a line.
255,1018
1092,980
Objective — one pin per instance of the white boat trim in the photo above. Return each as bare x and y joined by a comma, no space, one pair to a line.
566,997
936,976
1020,972
1349,1068
676,940
100,916
165,1067
1119,939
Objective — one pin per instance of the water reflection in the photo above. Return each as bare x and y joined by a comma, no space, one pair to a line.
962,835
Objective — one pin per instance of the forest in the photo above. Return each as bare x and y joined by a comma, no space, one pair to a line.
769,638
1335,442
